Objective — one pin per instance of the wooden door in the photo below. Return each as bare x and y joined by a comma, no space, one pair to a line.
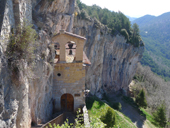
67,102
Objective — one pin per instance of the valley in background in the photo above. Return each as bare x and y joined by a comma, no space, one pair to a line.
155,32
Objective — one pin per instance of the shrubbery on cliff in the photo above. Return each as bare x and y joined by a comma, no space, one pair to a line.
21,44
20,48
116,21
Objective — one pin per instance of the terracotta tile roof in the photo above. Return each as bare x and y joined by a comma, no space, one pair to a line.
70,34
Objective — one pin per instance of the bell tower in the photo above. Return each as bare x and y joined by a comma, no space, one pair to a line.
69,43
69,73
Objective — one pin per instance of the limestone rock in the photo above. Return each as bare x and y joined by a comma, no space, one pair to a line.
26,96
114,61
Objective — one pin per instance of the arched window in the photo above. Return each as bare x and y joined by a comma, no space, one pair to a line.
57,52
70,51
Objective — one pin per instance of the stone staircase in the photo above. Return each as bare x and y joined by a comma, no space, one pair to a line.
60,119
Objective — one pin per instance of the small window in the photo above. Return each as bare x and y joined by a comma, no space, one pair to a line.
77,95
59,74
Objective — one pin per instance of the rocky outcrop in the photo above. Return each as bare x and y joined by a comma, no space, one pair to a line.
114,60
26,94
54,16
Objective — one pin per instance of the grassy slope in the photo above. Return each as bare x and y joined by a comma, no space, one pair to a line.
98,108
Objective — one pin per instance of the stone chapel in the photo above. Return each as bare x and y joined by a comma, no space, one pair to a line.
69,72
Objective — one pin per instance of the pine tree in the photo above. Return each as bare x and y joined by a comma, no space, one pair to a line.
141,99
160,116
135,36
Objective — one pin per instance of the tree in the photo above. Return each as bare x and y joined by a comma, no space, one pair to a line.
135,39
109,118
141,99
160,116
125,33
105,19
116,21
135,30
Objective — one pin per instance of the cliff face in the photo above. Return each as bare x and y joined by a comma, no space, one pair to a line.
114,61
26,95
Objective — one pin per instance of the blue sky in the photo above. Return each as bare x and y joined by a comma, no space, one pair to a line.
133,8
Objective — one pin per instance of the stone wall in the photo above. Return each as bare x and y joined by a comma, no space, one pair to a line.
71,80
62,39
59,120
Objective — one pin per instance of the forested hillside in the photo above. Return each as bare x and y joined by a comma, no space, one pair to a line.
116,21
155,32
157,93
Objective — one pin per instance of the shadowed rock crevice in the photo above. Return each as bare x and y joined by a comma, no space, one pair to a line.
2,11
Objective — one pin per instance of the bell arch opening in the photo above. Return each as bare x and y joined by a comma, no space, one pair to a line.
70,52
57,52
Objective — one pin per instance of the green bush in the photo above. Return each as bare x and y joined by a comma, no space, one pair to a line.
84,15
78,123
159,116
117,106
21,44
117,22
141,99
109,118
124,33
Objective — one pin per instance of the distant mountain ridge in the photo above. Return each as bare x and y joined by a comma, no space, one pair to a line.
131,18
143,20
155,32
